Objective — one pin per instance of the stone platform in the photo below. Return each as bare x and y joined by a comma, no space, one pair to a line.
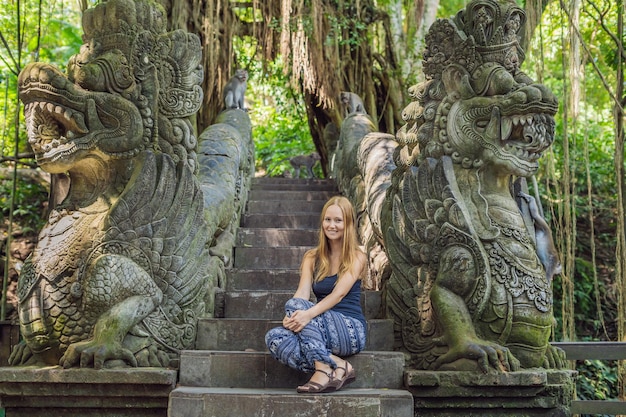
528,393
53,391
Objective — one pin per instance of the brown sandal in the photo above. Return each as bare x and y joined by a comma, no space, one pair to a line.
311,387
349,375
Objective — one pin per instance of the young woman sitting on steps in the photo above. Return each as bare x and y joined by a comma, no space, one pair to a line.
315,337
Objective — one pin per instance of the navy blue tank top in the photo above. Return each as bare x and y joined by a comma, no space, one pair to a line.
350,305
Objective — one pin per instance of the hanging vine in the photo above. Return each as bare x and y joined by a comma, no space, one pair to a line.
618,114
592,229
566,227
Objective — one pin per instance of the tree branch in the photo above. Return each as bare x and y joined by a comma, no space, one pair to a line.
15,67
20,158
602,21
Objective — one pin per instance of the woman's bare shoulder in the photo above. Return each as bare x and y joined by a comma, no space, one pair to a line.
310,255
361,256
308,260
360,260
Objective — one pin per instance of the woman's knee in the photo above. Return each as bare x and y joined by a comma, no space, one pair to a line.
294,304
275,334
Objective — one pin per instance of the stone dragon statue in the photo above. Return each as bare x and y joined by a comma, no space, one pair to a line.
472,259
118,276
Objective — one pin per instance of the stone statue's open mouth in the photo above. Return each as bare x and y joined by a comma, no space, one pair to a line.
54,112
526,136
53,129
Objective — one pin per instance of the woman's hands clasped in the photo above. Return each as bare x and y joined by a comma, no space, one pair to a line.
298,320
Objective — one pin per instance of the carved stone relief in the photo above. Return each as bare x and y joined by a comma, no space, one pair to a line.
121,271
471,257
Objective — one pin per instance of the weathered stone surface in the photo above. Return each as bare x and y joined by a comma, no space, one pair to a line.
259,370
363,164
262,258
226,166
470,255
245,333
277,237
227,402
269,304
257,280
295,195
528,393
119,271
135,247
53,391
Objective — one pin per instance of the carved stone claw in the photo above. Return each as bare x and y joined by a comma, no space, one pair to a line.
20,354
88,353
555,358
486,355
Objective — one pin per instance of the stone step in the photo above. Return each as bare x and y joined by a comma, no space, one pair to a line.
285,206
269,258
242,334
286,186
281,220
270,304
262,279
302,183
256,194
32,391
226,369
276,237
238,402
295,186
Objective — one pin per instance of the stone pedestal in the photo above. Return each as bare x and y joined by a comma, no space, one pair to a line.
527,393
53,391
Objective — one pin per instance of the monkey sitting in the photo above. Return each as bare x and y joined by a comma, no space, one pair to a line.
306,161
235,89
351,103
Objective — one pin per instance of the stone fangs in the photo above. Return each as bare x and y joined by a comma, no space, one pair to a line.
57,128
70,119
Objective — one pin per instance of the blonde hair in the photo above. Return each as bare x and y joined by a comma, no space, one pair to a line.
350,246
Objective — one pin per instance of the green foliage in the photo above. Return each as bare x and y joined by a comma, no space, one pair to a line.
597,380
29,204
450,8
279,138
598,133
279,121
345,29
54,41
591,146
59,42
586,315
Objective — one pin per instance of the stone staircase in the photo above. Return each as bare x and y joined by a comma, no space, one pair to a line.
231,374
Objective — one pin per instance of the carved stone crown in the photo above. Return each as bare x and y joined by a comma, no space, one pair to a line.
115,23
165,68
495,27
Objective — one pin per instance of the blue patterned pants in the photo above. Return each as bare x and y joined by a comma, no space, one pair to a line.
329,333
